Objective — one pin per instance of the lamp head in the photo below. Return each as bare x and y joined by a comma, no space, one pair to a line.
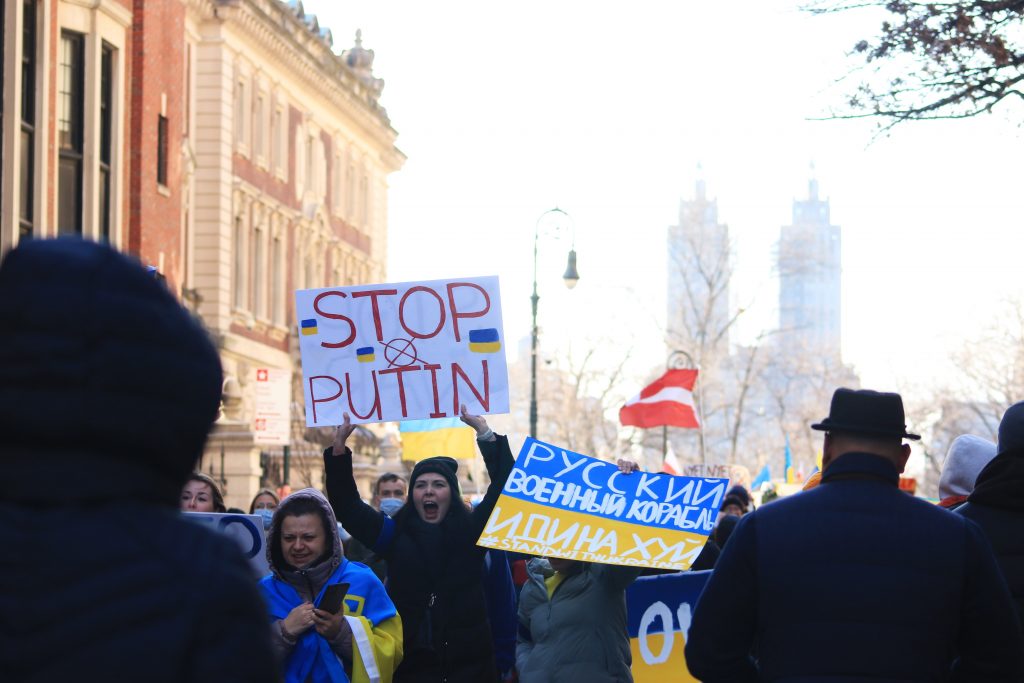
571,276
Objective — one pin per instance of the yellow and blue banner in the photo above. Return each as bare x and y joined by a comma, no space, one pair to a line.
658,613
365,354
559,503
449,436
309,327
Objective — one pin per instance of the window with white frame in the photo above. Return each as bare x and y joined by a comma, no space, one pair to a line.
277,279
240,109
239,262
70,132
258,271
258,143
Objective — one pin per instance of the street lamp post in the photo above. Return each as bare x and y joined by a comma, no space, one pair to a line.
673,363
571,277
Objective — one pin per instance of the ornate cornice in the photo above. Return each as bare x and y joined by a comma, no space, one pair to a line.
308,58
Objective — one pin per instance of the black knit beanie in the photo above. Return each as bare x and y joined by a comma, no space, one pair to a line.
440,464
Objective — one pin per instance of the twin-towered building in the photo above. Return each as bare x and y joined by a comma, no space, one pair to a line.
809,266
224,142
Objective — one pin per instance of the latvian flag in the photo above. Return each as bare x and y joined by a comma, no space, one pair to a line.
668,401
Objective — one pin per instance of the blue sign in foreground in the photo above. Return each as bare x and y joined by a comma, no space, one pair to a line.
658,612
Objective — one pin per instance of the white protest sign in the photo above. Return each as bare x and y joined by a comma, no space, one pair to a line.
271,423
244,530
402,351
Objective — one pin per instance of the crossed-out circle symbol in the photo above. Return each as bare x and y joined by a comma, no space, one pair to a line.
400,352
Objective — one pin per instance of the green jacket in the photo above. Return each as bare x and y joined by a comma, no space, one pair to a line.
580,633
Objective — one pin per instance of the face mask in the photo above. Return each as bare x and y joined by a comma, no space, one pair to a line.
391,506
267,515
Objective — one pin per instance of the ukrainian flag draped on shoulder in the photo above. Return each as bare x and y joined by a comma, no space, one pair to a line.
376,630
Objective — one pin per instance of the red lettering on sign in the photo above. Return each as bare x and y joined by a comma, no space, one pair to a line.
433,382
334,316
456,314
373,294
312,396
397,372
440,311
376,397
485,399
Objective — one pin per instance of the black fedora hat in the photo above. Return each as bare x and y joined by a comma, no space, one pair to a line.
864,411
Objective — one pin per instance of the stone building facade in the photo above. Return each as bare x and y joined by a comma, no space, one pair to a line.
225,142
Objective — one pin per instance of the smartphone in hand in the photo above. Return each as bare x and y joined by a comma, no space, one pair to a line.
334,598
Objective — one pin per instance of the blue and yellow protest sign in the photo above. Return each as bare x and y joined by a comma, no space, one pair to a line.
658,611
563,504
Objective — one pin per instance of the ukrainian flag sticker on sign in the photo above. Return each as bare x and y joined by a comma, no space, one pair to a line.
308,327
484,341
365,354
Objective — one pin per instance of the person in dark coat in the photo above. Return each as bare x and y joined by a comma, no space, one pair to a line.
108,388
435,568
997,502
855,580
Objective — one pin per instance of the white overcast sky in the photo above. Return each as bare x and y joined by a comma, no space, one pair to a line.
605,109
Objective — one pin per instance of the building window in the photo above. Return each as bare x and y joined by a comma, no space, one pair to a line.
258,271
70,133
238,284
106,144
240,112
276,134
161,150
27,165
257,128
276,283
364,201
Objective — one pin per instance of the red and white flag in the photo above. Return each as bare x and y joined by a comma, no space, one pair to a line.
668,401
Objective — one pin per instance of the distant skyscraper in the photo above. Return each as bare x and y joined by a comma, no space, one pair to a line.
810,294
699,269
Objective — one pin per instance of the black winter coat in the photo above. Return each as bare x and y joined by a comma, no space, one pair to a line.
997,506
107,390
855,581
434,573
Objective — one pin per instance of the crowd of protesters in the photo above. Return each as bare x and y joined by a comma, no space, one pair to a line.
849,580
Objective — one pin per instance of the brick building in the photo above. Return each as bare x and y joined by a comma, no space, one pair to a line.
226,143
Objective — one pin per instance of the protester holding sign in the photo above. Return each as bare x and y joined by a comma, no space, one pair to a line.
572,620
362,640
434,565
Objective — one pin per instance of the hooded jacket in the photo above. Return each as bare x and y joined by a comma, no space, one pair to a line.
370,647
966,458
107,390
435,572
997,506
580,632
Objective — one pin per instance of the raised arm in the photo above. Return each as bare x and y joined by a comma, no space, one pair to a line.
358,518
499,461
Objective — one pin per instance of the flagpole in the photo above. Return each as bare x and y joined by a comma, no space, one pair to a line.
673,364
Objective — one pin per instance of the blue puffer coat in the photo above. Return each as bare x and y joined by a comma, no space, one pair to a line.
855,581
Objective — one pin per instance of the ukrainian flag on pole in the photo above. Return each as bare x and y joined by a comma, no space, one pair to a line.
790,472
422,439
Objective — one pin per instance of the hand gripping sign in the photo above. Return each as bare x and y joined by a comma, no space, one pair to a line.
402,351
562,504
